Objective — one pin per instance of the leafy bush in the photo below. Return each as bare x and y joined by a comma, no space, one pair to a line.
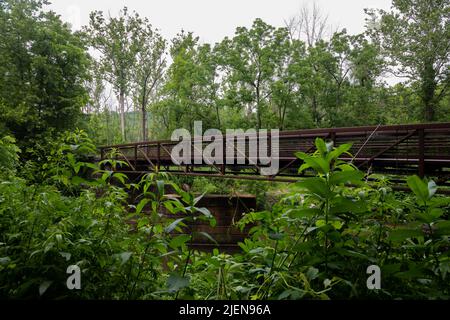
44,229
318,241
9,153
315,243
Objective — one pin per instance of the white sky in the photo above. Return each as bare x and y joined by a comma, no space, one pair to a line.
212,20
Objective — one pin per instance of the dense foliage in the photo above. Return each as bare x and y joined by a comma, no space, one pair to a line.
43,66
272,77
313,240
315,243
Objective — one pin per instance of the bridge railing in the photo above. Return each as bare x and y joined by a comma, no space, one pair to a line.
420,148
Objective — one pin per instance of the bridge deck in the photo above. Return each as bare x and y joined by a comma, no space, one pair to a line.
414,148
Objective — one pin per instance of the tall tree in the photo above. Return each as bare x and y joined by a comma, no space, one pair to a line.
189,93
43,66
415,36
117,40
251,57
149,68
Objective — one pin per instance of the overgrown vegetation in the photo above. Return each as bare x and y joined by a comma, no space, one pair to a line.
315,243
311,240
139,86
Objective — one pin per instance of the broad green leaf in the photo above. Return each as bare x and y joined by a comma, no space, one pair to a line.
312,273
176,282
414,272
141,205
344,205
321,146
160,187
316,186
432,188
320,165
343,177
178,241
337,152
355,254
419,188
442,228
5,260
400,234
76,180
304,213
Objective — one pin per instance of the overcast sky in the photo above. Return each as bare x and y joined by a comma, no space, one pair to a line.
212,20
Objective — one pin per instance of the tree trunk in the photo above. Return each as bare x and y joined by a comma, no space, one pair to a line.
258,108
428,89
314,111
122,115
144,123
218,116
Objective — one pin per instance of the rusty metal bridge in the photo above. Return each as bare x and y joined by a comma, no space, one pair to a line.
422,149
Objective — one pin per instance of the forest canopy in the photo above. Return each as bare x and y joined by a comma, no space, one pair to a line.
119,79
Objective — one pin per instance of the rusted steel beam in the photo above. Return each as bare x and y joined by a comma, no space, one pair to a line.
427,151
128,161
338,131
387,148
147,158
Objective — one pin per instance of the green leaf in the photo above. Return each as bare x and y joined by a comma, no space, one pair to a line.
120,176
419,187
316,186
205,212
432,188
176,282
243,246
76,180
320,165
337,152
312,273
197,199
344,205
160,187
321,146
405,232
174,224
141,205
276,235
415,271
178,241
442,228
355,254
304,213
207,236
343,177
5,260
